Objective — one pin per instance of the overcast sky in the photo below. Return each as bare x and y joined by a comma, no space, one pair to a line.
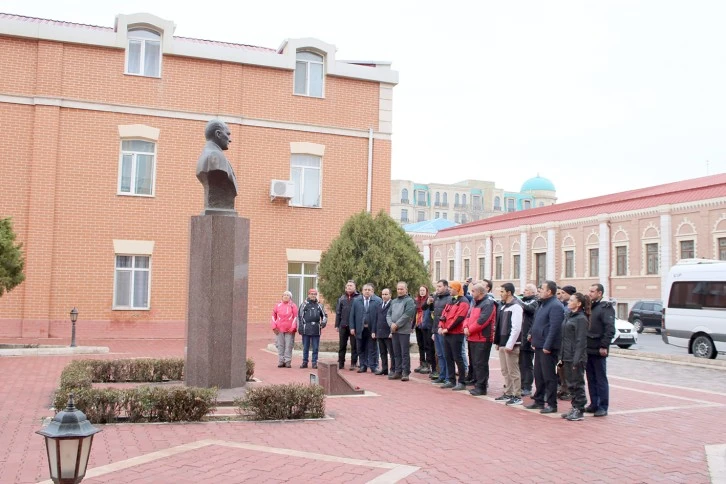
597,96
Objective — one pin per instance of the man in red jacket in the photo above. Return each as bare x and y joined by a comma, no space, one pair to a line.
479,330
451,326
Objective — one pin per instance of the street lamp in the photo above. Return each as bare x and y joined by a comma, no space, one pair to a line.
68,440
74,318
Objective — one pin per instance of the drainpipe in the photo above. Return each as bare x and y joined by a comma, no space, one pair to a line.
370,169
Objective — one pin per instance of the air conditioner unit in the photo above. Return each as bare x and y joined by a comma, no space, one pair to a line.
282,189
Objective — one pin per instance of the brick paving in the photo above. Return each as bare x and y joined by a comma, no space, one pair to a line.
656,431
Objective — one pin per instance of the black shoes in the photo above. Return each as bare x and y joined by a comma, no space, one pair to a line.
504,397
395,376
477,392
362,369
601,413
288,365
315,366
575,415
404,377
590,410
448,384
304,365
381,372
534,406
549,410
459,387
281,365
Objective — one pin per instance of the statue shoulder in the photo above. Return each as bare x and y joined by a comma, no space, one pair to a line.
211,159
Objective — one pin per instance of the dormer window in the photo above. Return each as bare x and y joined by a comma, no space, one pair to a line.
143,56
309,74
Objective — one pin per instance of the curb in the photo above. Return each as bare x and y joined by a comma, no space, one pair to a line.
684,360
54,351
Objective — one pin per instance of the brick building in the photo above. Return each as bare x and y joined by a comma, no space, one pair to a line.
101,129
625,241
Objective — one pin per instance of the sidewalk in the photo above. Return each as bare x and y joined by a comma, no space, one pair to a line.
412,431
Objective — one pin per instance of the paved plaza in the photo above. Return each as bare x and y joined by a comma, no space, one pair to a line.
664,420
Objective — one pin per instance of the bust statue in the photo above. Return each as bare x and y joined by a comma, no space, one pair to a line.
215,172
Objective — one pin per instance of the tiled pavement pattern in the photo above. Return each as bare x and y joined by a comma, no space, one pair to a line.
661,417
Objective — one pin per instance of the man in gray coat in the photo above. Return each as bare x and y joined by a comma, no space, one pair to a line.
400,320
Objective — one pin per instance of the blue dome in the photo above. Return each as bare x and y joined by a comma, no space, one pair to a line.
538,183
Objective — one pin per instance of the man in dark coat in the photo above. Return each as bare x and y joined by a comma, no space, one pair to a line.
342,326
363,315
311,321
599,336
381,333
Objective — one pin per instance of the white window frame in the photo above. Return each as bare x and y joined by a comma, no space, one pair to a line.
134,154
132,269
299,298
142,64
302,179
308,63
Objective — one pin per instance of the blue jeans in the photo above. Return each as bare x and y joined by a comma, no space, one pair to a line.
597,382
439,344
464,357
315,340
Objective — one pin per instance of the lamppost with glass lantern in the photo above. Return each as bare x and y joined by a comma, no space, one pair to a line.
68,440
74,318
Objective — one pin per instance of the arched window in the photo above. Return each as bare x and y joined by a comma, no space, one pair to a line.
456,200
309,74
437,201
497,203
445,200
143,57
527,204
463,200
404,195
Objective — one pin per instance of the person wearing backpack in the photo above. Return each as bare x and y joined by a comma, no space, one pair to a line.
311,321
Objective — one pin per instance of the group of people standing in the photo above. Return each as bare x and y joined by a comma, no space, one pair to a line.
545,332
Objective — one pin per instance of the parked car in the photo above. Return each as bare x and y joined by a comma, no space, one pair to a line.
646,314
625,334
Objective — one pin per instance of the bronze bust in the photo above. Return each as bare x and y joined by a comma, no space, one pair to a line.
215,172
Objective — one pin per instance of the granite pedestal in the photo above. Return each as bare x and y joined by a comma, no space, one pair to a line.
217,313
332,381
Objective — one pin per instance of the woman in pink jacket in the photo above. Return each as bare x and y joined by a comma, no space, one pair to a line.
284,325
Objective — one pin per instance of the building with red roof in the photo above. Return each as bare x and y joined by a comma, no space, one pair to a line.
626,241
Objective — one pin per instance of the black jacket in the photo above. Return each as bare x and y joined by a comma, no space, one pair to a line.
381,328
602,327
342,309
440,302
311,318
574,338
547,325
529,306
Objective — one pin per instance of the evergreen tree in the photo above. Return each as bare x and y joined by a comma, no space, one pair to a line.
11,258
370,249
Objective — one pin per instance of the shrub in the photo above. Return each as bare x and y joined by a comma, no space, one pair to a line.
143,404
282,402
250,369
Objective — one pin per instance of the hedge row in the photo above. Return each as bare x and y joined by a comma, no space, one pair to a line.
282,402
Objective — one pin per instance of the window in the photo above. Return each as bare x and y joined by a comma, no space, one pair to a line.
445,200
463,218
476,202
651,254
404,215
698,295
420,216
301,277
467,268
445,216
143,56
497,203
594,262
621,262
131,282
420,197
456,200
722,248
463,200
404,195
687,249
437,215
540,267
515,266
482,264
437,270
309,74
305,173
498,268
437,199
510,205
451,270
527,204
569,263
136,173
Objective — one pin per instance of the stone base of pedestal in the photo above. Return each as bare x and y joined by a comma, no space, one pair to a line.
333,382
217,313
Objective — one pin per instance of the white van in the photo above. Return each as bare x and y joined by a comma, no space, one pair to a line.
694,315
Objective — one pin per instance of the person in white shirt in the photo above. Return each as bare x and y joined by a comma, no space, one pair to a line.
508,343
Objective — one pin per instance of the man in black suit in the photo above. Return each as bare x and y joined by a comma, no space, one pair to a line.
363,314
381,332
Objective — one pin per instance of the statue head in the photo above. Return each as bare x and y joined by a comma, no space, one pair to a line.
218,132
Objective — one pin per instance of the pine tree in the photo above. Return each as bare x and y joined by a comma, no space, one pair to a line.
369,249
11,258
